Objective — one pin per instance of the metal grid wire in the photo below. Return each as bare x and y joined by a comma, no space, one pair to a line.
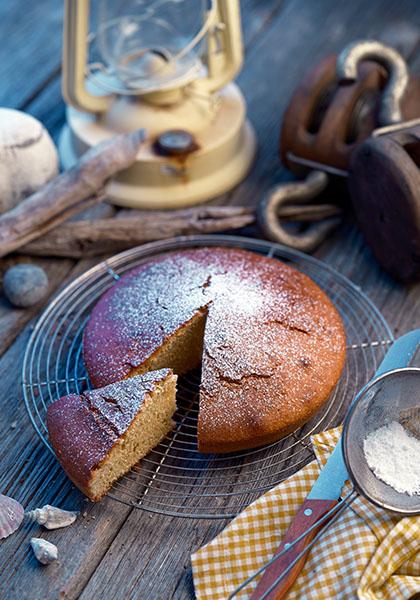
175,479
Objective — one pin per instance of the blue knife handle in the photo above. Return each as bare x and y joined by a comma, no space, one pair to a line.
400,353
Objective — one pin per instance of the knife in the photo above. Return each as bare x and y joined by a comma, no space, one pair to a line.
325,493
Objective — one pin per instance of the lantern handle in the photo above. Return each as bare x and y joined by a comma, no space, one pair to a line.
75,49
224,52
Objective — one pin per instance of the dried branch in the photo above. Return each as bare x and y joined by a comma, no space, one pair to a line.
93,237
68,193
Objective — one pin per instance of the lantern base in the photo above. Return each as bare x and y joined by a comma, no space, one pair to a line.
226,146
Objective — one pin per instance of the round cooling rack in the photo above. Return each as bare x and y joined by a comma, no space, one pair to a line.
175,479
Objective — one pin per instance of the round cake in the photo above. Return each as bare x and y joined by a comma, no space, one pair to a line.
270,343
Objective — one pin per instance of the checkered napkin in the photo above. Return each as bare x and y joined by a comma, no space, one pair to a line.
366,554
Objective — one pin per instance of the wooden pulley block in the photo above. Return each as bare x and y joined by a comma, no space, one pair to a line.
331,128
384,184
329,116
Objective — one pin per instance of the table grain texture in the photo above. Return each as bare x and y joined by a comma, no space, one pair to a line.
115,551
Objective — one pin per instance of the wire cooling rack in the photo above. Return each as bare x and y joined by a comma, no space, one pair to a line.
175,479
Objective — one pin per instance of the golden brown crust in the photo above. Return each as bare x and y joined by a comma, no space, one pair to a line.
274,344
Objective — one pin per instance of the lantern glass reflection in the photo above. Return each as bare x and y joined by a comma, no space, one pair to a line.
151,43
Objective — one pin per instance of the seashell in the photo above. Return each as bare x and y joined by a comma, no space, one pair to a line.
11,515
44,551
52,517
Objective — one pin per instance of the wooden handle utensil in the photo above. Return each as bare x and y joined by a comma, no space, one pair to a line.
309,513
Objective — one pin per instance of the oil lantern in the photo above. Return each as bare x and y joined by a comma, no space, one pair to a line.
166,66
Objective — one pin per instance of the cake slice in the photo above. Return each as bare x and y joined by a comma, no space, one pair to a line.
99,435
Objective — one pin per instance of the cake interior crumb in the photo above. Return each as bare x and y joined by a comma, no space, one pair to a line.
181,352
148,428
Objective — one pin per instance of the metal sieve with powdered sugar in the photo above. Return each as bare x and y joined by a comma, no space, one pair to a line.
381,440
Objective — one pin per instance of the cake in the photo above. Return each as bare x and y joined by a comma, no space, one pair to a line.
270,343
99,435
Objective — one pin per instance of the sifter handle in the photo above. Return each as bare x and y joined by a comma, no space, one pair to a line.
400,353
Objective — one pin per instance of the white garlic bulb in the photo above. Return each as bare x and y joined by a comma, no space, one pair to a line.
28,157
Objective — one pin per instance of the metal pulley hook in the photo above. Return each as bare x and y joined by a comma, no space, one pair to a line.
289,202
392,61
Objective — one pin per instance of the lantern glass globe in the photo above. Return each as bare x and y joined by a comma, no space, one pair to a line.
149,43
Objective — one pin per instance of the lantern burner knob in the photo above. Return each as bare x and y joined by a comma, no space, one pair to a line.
175,142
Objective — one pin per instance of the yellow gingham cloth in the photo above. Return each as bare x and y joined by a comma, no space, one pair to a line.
366,554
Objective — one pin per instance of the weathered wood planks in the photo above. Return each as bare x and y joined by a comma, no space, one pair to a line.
117,552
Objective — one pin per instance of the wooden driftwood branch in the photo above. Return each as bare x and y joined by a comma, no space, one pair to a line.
93,237
68,193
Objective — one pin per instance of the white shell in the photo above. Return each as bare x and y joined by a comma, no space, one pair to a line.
11,516
52,517
28,157
44,551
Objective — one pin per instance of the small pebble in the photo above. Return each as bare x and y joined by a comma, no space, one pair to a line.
25,285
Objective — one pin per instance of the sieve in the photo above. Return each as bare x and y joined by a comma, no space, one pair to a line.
394,396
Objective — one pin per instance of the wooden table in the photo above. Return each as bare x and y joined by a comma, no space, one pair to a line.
115,551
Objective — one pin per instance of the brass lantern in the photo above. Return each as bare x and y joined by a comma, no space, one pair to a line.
165,66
